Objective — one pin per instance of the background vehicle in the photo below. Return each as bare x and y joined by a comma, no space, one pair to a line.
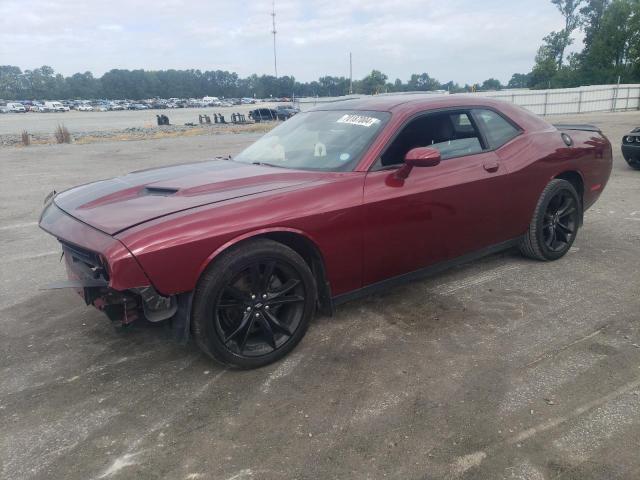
631,148
14,107
332,204
286,111
84,108
37,107
53,107
211,101
264,115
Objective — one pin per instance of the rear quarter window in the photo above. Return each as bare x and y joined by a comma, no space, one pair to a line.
497,129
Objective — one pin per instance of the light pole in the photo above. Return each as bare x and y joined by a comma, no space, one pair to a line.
350,74
273,31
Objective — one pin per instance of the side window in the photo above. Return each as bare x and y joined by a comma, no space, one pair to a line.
497,129
453,133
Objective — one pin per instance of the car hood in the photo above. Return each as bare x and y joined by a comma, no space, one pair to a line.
119,203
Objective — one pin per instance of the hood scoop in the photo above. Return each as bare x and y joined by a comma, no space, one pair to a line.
159,191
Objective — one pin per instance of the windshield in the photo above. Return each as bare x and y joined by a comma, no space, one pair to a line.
319,140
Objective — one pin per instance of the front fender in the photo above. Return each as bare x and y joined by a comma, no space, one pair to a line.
247,236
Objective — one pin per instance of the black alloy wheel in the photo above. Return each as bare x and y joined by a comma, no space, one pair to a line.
555,222
260,308
253,304
560,221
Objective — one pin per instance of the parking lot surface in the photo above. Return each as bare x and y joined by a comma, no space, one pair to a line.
82,122
504,368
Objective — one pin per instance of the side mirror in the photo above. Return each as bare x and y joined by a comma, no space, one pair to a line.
422,157
419,157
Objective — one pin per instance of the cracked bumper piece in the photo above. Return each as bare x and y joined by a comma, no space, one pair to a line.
103,271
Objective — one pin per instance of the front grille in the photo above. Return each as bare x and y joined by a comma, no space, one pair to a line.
87,261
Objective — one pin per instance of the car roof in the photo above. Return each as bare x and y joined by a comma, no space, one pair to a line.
391,102
408,103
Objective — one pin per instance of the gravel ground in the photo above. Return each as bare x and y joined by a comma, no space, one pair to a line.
503,368
141,133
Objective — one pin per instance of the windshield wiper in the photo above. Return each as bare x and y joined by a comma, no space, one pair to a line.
266,164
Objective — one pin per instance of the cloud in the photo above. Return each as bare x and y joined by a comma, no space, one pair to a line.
460,40
111,28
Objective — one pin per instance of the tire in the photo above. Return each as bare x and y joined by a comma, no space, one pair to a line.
552,231
633,163
253,304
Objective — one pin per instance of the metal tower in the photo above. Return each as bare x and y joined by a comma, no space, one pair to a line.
273,21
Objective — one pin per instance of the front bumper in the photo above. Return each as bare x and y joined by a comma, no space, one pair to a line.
631,152
103,271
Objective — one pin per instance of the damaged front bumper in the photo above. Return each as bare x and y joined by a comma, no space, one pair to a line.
104,273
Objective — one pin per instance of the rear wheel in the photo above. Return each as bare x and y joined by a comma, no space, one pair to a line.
555,222
253,305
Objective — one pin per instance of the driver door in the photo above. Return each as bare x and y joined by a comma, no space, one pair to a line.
437,213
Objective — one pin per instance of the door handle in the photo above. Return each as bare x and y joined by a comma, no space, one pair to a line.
491,166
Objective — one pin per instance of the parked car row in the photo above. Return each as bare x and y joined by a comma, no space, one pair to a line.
23,107
115,105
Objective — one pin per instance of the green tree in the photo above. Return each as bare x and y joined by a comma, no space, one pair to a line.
491,84
520,80
422,82
570,10
613,50
373,83
591,19
12,82
546,63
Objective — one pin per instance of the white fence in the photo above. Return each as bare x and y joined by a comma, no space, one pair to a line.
596,98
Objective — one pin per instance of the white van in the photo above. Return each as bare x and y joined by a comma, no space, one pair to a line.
15,108
211,102
53,107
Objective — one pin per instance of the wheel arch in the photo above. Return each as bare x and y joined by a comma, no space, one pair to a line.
574,177
300,242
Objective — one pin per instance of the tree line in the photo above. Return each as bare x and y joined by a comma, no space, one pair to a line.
611,50
43,83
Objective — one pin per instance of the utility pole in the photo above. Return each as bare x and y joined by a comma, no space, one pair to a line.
273,21
350,74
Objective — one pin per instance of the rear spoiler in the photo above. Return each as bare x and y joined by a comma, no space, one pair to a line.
571,126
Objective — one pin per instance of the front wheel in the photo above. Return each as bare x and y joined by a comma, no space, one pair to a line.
253,305
633,162
555,222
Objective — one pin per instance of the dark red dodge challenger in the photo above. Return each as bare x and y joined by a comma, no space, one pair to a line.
334,203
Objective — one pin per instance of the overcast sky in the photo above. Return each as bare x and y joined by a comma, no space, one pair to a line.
466,41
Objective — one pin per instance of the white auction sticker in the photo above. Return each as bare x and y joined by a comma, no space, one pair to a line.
358,120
